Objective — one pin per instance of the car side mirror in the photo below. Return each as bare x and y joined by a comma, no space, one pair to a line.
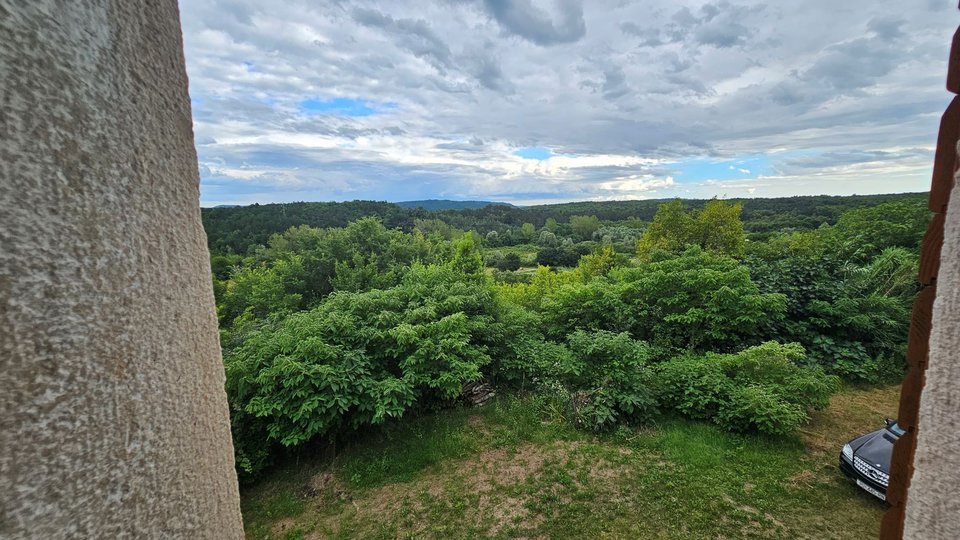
889,421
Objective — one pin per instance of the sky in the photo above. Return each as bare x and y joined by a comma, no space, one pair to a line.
543,101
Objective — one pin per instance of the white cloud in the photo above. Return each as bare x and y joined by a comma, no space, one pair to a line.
615,88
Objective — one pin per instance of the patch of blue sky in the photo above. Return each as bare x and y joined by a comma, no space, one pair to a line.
703,169
538,153
343,107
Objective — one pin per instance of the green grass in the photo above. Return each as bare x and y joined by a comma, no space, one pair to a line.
506,470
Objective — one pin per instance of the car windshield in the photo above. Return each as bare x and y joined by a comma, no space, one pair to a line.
896,429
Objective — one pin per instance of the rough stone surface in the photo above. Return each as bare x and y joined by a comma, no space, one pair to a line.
933,501
113,417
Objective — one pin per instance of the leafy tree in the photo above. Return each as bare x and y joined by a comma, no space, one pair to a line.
528,231
437,227
865,232
262,290
852,318
716,228
583,227
467,258
671,230
568,254
697,300
548,239
509,262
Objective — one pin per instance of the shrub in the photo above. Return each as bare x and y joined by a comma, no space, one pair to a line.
759,408
608,379
763,388
360,358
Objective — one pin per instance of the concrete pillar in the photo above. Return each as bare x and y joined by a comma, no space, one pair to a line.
113,416
933,500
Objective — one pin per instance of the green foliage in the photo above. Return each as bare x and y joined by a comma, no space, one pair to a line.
467,257
852,317
583,227
360,358
327,330
510,262
671,230
865,232
716,228
261,290
763,388
548,239
608,378
695,300
560,256
528,231
303,265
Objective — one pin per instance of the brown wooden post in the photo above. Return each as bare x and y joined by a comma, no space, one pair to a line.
944,170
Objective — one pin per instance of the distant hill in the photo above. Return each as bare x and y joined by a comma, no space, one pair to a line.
433,205
236,229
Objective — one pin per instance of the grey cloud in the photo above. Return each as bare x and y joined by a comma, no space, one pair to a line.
649,37
684,17
722,24
855,64
888,28
485,68
413,35
614,83
470,79
523,19
838,159
719,25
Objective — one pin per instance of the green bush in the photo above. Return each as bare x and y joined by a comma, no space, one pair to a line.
360,358
763,388
692,301
759,408
608,379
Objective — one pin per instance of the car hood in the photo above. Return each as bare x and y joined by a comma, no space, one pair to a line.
876,448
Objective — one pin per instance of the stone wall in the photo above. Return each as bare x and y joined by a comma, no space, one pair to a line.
933,500
113,417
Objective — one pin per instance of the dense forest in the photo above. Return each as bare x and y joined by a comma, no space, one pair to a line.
747,314
237,228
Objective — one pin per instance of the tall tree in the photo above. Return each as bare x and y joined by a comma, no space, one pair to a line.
584,226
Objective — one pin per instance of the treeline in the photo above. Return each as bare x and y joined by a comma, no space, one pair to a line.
326,330
236,229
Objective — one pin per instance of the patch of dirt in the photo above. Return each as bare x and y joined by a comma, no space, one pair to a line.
281,527
742,507
603,471
325,485
802,477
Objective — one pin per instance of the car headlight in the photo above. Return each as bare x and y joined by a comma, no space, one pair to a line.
848,452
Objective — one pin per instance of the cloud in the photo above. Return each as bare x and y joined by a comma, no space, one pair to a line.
413,35
340,99
524,19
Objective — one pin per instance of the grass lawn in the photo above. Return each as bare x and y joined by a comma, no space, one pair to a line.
511,470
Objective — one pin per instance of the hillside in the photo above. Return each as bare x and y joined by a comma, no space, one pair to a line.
433,205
